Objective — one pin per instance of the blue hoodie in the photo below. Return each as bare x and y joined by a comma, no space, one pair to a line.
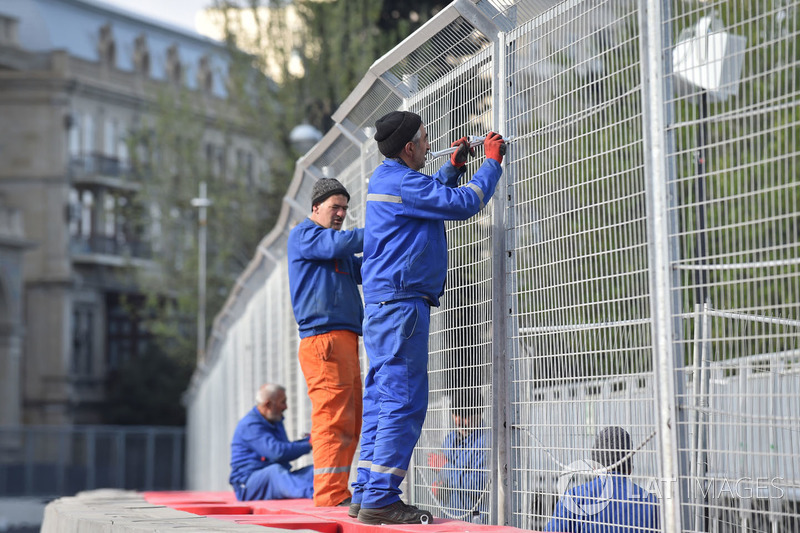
405,249
324,275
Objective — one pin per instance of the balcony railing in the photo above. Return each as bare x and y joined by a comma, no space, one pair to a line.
102,167
98,244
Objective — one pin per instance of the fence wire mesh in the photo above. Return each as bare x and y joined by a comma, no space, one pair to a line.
735,135
637,127
51,461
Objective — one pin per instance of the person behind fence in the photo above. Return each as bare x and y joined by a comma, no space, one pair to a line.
611,503
462,465
404,269
261,453
324,274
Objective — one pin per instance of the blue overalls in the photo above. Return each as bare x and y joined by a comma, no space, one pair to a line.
404,270
260,456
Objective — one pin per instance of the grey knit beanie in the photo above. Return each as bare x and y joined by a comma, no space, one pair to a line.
394,130
610,446
325,188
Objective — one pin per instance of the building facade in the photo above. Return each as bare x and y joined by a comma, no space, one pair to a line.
76,79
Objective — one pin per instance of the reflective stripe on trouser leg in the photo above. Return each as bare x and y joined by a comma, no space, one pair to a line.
370,425
396,341
330,366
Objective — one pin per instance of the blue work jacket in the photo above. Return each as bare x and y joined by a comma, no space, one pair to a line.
257,443
405,249
324,275
463,477
596,507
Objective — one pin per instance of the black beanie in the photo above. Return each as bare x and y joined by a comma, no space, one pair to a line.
326,187
394,130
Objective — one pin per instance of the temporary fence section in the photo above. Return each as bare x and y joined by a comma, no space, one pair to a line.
49,461
637,267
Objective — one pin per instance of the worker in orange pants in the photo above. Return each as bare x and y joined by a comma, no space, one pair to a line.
330,365
324,275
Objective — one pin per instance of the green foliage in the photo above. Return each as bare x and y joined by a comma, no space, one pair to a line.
581,265
188,138
335,44
147,391
193,139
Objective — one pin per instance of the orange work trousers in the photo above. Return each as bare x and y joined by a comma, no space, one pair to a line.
333,375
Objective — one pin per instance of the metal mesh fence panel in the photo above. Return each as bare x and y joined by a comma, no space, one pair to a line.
637,267
736,145
580,343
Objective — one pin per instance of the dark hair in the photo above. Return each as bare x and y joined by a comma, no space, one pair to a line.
610,446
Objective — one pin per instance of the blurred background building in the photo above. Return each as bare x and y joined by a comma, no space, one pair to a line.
12,246
76,79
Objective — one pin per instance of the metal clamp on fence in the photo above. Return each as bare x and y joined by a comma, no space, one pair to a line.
474,140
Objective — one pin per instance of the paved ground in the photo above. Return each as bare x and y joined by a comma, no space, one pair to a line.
21,515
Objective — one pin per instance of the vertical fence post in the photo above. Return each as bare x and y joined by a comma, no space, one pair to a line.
65,439
664,301
702,428
177,461
91,457
744,438
122,435
7,450
30,445
776,370
500,430
150,458
697,423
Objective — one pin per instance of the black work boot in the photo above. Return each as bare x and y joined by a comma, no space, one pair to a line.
396,513
352,512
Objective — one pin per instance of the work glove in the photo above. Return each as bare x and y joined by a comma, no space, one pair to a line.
459,157
495,146
436,460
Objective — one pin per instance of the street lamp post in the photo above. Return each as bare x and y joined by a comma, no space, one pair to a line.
201,203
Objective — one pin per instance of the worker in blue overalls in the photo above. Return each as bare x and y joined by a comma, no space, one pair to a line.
261,453
403,274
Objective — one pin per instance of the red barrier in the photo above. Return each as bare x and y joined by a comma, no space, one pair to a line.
213,509
285,521
300,514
